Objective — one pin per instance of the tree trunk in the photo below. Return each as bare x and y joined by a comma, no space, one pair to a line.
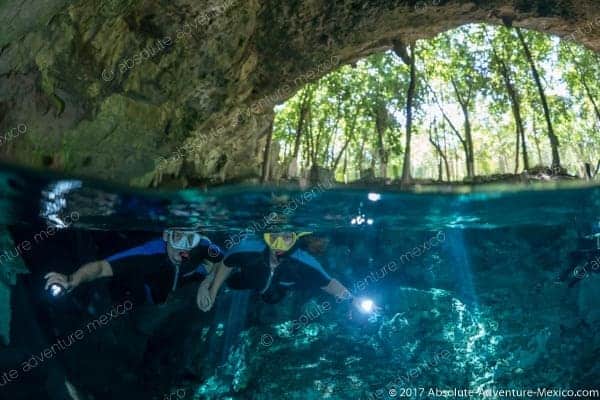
447,165
466,142
537,143
520,128
516,109
328,150
361,156
349,137
469,141
554,144
380,127
315,138
441,154
307,148
410,95
310,140
584,83
286,145
345,168
524,146
266,167
456,165
517,150
305,105
589,172
445,154
591,97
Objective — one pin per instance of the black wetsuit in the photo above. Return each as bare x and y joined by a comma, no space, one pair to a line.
297,270
148,274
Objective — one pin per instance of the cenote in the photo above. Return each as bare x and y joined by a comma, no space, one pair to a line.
299,200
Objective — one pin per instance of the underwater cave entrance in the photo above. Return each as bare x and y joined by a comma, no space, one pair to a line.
476,103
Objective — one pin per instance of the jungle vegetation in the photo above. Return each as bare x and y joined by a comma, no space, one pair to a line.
475,101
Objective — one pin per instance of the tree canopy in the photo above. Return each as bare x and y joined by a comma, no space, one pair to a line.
477,100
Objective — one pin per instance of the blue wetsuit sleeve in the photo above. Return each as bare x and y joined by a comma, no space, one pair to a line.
157,246
137,260
246,252
206,250
240,259
214,253
136,267
313,274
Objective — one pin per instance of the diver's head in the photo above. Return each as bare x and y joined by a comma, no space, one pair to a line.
317,244
281,242
180,242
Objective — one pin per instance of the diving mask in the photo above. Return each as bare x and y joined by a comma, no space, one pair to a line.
183,238
284,241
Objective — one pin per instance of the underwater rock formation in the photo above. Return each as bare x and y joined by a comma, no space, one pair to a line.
146,92
11,264
459,334
477,304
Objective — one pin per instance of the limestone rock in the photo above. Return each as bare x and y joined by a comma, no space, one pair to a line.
110,89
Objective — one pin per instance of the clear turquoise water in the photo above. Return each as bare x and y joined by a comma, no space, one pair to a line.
468,282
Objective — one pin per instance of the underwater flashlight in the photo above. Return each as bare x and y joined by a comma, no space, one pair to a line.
374,196
367,306
56,290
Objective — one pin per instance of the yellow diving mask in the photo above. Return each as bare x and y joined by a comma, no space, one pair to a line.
284,241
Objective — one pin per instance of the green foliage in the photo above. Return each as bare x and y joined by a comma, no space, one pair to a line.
356,115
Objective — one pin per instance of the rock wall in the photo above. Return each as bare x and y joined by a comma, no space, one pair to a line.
144,92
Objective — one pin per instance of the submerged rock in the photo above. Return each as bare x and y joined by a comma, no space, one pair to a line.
589,311
11,264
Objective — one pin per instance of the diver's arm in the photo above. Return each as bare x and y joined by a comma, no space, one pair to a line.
91,271
335,288
204,299
339,291
209,279
221,275
86,273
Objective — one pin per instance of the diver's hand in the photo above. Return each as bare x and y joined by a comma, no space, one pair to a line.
60,279
204,299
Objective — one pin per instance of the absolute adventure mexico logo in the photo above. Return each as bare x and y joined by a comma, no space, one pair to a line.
65,342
